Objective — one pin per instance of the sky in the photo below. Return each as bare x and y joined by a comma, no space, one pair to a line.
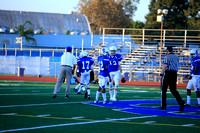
61,6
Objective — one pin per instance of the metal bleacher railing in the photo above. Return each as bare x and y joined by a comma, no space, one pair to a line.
31,52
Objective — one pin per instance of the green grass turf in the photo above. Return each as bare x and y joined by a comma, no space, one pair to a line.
62,111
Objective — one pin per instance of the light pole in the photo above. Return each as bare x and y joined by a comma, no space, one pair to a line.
160,17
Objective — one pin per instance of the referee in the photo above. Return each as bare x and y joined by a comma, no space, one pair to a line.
68,64
168,77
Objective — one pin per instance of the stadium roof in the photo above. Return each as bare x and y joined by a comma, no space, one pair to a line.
57,23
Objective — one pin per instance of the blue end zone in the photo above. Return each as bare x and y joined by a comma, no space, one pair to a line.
135,108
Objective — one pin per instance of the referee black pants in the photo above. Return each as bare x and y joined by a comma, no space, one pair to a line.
169,79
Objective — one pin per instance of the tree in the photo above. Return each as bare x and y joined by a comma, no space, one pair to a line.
193,14
108,13
175,18
27,33
136,25
41,30
67,32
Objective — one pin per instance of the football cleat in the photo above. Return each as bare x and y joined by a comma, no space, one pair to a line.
67,97
114,99
75,90
198,105
86,94
79,93
95,101
162,108
182,105
105,102
54,96
187,105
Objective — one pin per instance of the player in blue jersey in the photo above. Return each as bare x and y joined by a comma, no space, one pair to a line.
103,61
84,65
77,89
115,72
194,77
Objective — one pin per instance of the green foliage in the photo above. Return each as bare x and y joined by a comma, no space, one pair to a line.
67,32
182,14
41,29
193,14
136,25
27,33
108,13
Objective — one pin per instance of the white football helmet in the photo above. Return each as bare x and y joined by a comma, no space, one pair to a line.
103,51
193,53
80,55
107,50
113,50
84,54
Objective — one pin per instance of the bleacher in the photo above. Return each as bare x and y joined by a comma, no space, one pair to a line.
144,63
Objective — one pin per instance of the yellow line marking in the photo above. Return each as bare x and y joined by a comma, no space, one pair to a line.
118,122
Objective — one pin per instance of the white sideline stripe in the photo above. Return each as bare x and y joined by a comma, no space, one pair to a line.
15,90
186,125
24,94
26,105
10,114
80,117
43,115
70,124
149,122
35,91
132,91
9,85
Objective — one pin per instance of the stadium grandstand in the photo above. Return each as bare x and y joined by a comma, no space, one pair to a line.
141,48
52,22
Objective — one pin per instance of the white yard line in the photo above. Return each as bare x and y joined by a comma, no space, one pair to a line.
45,115
79,117
42,104
71,124
187,125
149,122
10,114
25,94
9,84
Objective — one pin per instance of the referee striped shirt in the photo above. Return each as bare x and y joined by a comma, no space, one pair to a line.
172,61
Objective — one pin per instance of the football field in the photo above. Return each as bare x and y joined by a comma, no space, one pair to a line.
29,107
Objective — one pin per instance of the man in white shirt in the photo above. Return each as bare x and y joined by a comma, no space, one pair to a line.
68,64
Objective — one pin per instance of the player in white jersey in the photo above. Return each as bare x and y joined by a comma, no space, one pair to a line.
103,61
194,77
115,72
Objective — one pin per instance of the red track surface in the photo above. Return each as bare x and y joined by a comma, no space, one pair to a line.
44,79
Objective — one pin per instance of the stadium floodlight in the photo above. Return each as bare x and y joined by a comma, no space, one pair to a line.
2,30
165,12
159,11
12,31
160,18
